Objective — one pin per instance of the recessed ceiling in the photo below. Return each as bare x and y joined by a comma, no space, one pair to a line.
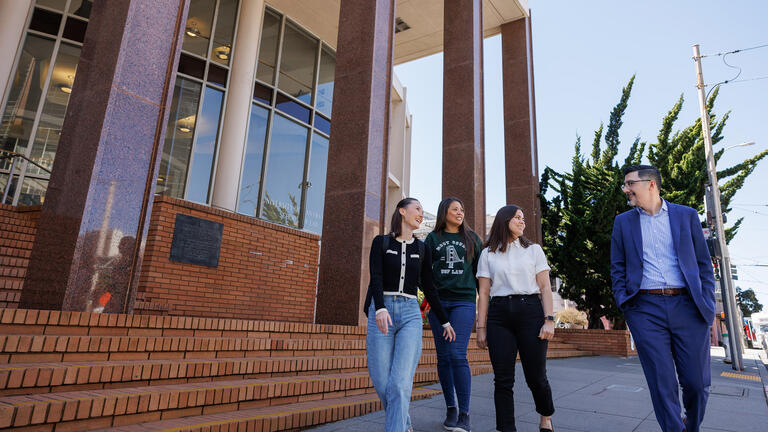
423,17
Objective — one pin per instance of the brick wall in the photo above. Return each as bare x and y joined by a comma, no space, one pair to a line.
612,342
18,226
265,271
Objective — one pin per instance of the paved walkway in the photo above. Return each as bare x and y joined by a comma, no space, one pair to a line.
599,394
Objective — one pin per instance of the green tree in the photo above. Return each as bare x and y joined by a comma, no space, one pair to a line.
747,302
578,218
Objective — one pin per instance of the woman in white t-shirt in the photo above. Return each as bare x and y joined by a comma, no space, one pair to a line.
514,273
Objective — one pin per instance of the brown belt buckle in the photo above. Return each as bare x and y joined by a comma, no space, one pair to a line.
668,291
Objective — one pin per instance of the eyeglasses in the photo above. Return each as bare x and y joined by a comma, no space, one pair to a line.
519,218
629,183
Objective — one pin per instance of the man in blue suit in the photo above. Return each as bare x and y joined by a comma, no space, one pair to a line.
663,282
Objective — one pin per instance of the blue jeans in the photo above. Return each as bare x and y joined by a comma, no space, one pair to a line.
392,358
452,364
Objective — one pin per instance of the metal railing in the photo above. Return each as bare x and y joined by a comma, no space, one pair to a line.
16,159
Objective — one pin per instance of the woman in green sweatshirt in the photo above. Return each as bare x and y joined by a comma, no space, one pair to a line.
455,249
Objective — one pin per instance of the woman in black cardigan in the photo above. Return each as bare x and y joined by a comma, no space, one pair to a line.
393,343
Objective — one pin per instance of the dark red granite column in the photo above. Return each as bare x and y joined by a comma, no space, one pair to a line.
92,228
355,192
521,156
463,142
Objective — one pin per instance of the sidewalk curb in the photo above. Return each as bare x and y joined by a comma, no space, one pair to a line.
764,372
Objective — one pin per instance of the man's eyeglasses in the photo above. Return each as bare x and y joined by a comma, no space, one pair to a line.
629,183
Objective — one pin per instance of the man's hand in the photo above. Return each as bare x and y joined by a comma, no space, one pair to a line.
383,321
482,343
547,331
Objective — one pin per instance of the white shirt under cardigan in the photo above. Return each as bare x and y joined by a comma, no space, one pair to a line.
514,271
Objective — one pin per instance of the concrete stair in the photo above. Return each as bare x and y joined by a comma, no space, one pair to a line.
76,371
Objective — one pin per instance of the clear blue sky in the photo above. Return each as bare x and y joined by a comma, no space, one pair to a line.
584,52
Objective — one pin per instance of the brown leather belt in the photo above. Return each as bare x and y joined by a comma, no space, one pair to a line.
664,291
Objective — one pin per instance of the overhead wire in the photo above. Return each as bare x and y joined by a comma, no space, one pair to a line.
733,80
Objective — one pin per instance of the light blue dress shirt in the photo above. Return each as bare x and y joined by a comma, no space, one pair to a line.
661,268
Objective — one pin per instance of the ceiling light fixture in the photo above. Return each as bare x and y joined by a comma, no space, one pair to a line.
66,88
222,52
184,129
192,30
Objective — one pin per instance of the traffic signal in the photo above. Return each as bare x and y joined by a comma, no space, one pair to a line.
734,273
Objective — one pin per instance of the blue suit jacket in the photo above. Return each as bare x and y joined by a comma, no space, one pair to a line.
692,254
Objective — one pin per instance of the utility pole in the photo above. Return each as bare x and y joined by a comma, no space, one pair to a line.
715,209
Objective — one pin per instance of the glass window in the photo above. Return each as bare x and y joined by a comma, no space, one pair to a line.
45,21
322,124
270,33
172,178
205,145
324,100
292,108
254,156
56,100
53,4
285,172
318,163
225,29
75,29
81,8
297,64
197,33
24,95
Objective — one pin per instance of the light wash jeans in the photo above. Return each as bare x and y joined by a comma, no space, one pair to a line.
392,358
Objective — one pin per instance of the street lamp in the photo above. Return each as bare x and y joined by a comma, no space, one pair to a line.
744,144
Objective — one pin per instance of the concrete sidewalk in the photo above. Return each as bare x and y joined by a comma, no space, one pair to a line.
598,394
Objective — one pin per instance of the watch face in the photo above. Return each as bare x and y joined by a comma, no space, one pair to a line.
549,318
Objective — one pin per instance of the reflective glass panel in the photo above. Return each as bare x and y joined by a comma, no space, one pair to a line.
81,8
74,29
53,4
56,100
322,124
285,172
225,29
205,146
318,163
45,21
270,33
324,100
24,95
297,64
198,29
254,156
292,108
178,138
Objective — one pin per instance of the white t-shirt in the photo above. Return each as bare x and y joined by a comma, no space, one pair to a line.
513,271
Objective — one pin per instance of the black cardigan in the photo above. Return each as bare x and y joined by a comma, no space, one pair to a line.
385,273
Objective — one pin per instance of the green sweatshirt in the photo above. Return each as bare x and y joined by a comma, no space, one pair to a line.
453,274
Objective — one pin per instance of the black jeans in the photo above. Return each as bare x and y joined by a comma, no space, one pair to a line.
513,325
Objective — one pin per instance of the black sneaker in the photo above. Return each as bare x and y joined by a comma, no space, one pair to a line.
451,418
462,425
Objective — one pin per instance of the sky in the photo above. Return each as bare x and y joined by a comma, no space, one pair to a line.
583,54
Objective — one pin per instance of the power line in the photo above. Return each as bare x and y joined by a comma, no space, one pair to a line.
734,51
746,79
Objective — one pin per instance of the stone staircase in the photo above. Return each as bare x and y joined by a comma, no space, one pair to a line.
71,371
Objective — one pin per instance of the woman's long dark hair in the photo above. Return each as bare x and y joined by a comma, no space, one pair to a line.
396,224
500,236
466,232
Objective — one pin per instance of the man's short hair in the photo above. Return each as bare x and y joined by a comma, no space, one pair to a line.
645,172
